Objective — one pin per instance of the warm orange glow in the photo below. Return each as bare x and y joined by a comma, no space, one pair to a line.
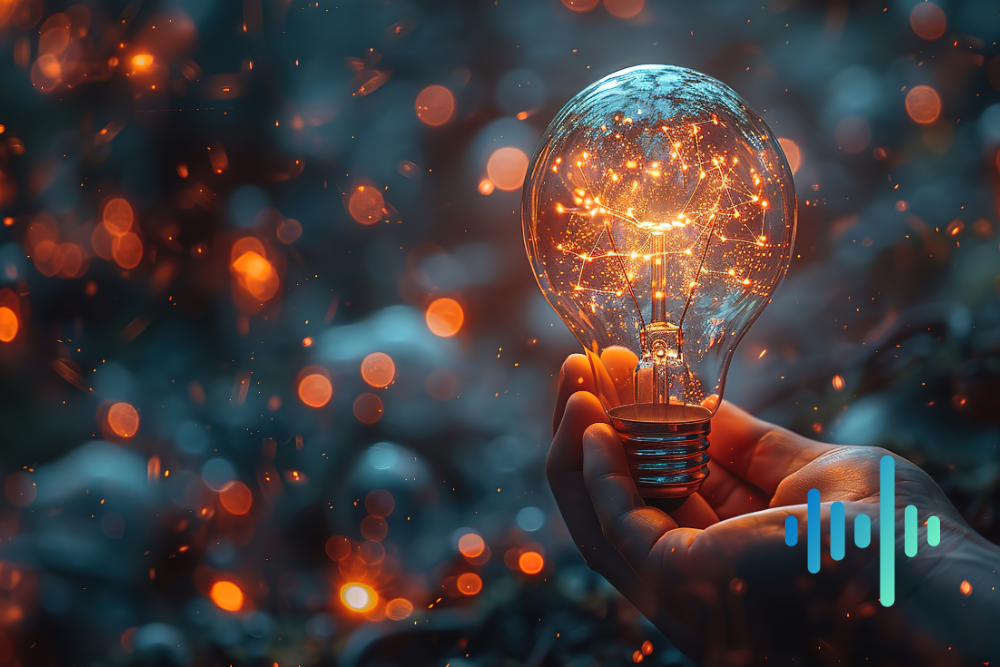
8,221
315,390
647,647
469,583
142,60
307,341
954,227
486,187
358,597
398,609
227,595
471,545
118,216
928,20
923,104
838,382
637,657
435,105
236,498
444,317
965,587
624,9
581,5
123,420
368,408
182,170
8,324
127,250
792,153
507,167
378,369
256,275
366,205
531,562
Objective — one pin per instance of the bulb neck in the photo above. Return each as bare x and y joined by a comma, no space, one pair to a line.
667,459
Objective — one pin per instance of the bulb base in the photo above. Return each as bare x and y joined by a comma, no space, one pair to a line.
667,458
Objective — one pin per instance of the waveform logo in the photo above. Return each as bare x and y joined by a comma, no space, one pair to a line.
863,531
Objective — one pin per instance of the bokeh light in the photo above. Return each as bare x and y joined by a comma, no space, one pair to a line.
366,205
581,5
928,20
444,317
923,104
20,489
624,9
236,497
379,503
315,390
8,324
792,153
374,528
435,105
469,583
127,250
471,545
358,597
507,168
367,408
531,562
398,609
227,595
123,420
378,370
118,216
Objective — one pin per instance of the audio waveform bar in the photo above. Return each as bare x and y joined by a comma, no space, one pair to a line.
863,531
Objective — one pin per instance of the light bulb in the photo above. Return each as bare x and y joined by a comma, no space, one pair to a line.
659,217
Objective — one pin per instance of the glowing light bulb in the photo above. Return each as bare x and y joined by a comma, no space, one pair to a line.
659,217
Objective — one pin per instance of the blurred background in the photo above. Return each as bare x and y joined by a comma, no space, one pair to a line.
276,380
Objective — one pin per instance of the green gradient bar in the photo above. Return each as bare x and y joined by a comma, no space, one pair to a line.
887,531
910,531
933,531
862,530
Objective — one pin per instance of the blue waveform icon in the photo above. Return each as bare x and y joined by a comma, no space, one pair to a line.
863,531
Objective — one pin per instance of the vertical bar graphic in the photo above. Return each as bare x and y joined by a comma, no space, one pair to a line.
933,531
862,530
887,531
791,531
812,521
837,531
910,531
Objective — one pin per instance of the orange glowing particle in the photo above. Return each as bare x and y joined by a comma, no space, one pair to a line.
366,205
367,408
531,562
398,609
127,250
118,216
307,341
928,21
315,390
637,656
182,170
227,595
647,647
923,104
469,583
358,597
838,382
378,370
486,187
236,498
471,545
507,168
444,317
581,5
256,275
965,587
435,105
954,227
8,324
123,420
142,60
8,221
274,403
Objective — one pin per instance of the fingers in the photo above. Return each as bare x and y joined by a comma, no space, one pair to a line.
575,375
630,526
730,496
759,453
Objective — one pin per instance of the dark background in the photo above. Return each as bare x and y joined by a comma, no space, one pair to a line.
886,330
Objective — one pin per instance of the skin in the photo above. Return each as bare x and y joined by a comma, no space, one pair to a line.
715,575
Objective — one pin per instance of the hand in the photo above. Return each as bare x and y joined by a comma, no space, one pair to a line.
715,575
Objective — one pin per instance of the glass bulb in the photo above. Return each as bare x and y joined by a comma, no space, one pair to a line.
659,217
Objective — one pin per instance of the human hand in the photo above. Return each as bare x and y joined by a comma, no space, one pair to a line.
715,575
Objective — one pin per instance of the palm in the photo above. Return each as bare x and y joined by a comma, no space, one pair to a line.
716,575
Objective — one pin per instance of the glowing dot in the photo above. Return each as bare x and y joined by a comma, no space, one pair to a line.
486,187
637,656
8,324
367,408
928,20
378,370
127,250
118,216
435,105
236,497
923,104
966,588
398,609
307,341
142,60
444,317
358,597
123,420
647,647
837,382
366,205
531,562
227,595
507,167
8,221
315,390
469,583
471,545
954,227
